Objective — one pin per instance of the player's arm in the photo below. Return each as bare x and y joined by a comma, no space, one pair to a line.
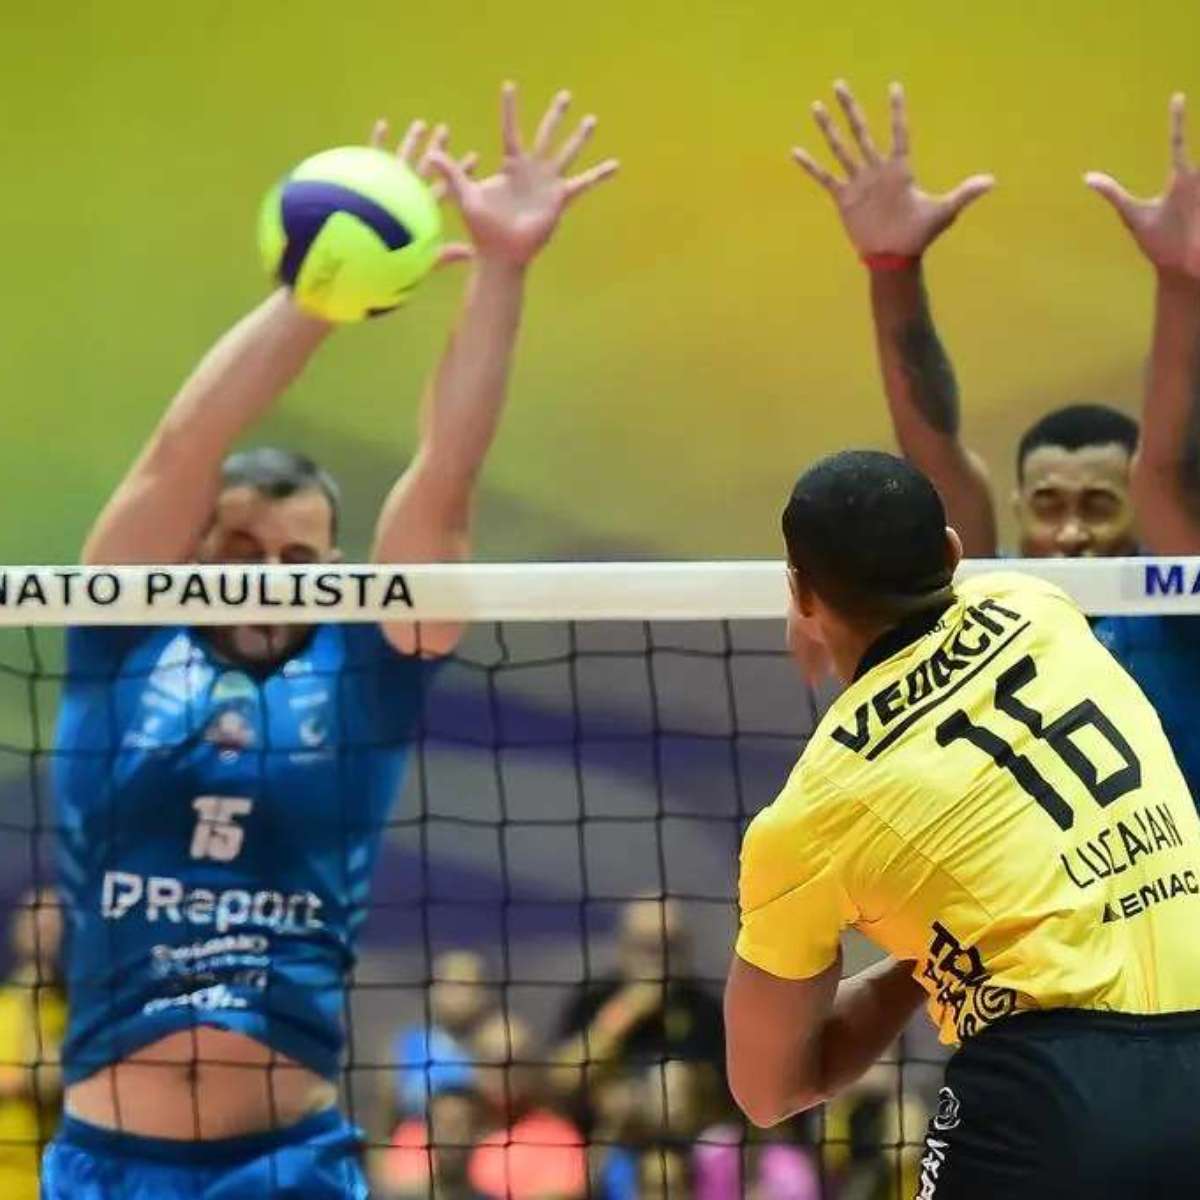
161,508
791,1044
891,224
163,505
510,218
1166,471
795,1031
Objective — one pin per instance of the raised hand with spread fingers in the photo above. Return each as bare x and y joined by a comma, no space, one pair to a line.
512,214
891,223
1166,228
881,205
409,150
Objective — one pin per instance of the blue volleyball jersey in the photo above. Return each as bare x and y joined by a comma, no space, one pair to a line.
217,833
1163,655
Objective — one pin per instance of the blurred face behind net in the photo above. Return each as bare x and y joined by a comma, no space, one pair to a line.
249,527
652,941
36,931
458,997
1076,503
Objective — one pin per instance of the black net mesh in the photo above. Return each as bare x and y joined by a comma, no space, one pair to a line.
550,920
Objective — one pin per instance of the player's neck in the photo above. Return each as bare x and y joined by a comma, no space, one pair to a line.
848,646
857,647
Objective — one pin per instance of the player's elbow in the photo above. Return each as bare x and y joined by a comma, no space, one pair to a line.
764,1111
767,1099
760,1114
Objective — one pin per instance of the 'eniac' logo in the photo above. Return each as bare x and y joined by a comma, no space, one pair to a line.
947,1115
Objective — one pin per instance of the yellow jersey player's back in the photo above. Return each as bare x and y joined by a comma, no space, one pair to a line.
993,801
1009,814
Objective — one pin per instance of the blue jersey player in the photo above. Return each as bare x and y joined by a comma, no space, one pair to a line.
222,793
1085,485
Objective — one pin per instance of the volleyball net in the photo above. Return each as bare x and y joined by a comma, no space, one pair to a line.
553,906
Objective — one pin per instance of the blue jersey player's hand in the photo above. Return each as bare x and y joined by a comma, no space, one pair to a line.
409,150
511,215
1165,227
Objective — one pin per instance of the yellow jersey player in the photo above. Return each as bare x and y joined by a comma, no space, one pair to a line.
993,802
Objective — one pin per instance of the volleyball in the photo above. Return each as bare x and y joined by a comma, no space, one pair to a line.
351,232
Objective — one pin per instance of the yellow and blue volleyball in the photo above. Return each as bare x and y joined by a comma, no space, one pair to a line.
351,231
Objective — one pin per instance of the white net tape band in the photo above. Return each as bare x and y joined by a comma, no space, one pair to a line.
661,591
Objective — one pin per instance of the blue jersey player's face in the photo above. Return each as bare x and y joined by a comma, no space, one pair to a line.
1076,503
249,527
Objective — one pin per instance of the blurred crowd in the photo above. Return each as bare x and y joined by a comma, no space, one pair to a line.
622,1098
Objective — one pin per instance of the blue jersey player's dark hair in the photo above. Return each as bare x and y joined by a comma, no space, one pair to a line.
867,531
1077,426
278,474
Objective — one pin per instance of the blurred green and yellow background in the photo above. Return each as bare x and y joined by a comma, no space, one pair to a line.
698,329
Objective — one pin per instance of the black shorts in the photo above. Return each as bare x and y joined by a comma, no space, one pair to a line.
1069,1104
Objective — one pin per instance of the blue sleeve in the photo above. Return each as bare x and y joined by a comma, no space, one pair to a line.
391,686
1110,632
97,651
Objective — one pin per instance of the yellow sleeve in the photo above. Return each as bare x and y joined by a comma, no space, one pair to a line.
794,905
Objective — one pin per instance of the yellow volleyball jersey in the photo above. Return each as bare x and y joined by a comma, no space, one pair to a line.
994,799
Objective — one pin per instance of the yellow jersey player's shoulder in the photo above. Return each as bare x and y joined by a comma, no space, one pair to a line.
1015,585
792,888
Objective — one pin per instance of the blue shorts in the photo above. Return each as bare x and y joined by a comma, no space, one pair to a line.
315,1159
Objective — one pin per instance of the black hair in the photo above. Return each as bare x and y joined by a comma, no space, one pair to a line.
867,532
1077,426
278,474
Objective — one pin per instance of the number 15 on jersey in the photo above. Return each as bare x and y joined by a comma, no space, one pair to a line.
218,835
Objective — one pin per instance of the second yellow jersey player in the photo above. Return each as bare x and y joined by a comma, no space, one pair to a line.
994,799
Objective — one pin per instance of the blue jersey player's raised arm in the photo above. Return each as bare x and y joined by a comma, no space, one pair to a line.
1163,653
1085,484
222,794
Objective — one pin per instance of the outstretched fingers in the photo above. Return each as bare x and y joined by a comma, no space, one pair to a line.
823,177
1106,186
573,146
549,124
1179,152
856,121
898,105
406,151
437,143
510,130
833,138
574,187
456,176
439,188
968,192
